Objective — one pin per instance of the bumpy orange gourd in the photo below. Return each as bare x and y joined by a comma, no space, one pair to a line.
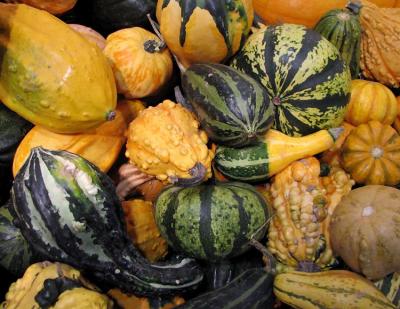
140,61
370,101
51,6
142,229
165,141
303,12
371,154
365,231
101,146
380,44
127,301
396,123
303,202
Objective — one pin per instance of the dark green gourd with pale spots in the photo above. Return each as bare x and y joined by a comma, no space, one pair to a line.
233,109
211,222
69,212
303,74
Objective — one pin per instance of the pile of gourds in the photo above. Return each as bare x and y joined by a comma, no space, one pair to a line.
186,155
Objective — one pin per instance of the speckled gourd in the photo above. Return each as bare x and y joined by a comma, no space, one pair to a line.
165,141
303,202
380,44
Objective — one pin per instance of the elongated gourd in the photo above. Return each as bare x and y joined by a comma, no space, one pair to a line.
273,154
51,75
329,289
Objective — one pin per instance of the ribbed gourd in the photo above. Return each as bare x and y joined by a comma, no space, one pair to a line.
390,286
303,202
142,229
380,44
54,286
303,73
165,141
69,212
204,31
51,75
342,28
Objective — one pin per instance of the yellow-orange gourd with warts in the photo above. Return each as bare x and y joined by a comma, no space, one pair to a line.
303,203
165,141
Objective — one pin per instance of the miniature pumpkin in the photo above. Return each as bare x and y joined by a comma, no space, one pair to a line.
397,120
51,6
54,286
101,146
304,12
142,229
165,141
303,202
364,230
140,61
380,44
128,301
90,34
204,31
370,101
371,154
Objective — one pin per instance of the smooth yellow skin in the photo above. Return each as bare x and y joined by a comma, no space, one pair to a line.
330,289
50,74
283,149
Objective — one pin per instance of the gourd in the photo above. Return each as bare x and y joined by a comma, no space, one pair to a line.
15,252
303,202
150,189
342,28
396,123
189,26
328,289
211,222
142,229
390,286
304,12
165,141
90,234
141,63
370,101
275,152
252,289
90,34
127,301
364,230
232,108
13,128
52,6
303,73
371,154
66,88
380,43
54,285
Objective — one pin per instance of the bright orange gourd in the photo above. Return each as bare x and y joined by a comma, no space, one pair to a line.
370,101
304,12
51,6
397,120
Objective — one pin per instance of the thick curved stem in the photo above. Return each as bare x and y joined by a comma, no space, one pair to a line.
198,173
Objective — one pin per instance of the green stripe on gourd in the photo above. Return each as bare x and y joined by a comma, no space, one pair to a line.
343,29
390,286
68,210
211,222
302,73
233,108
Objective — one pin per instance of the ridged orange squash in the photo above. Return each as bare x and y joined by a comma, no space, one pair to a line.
371,154
303,12
370,101
142,229
100,146
52,6
140,61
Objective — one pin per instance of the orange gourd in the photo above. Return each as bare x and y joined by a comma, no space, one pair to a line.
397,120
101,146
140,62
370,101
52,6
304,12
371,154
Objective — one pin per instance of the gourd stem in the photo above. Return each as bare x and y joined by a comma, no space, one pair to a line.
156,28
152,46
354,6
336,132
308,267
198,172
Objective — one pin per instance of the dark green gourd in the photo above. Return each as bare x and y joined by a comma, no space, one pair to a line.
233,108
343,29
69,212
